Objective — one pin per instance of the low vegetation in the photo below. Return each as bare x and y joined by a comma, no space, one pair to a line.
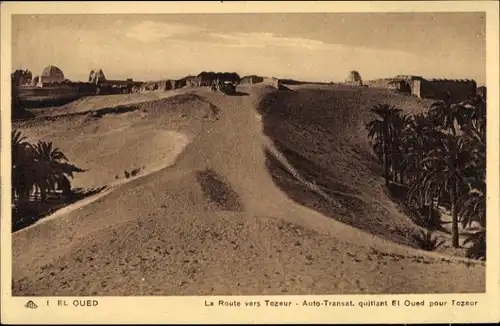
426,241
438,158
132,173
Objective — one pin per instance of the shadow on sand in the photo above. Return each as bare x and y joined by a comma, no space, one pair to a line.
219,191
36,103
21,114
238,94
303,129
34,210
425,217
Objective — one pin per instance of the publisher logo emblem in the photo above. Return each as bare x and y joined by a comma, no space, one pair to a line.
30,305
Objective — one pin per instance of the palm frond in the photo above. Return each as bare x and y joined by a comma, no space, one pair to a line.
477,250
426,241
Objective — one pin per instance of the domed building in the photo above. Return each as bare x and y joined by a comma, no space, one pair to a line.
354,78
51,75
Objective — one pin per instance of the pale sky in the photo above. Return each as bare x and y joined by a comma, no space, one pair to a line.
311,46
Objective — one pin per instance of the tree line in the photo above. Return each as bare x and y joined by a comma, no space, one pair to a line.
437,158
21,77
37,170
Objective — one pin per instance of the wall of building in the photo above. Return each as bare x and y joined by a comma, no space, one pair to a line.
416,87
49,91
206,79
438,88
179,83
354,78
275,82
155,86
251,80
51,79
203,79
164,85
354,83
432,88
380,83
56,94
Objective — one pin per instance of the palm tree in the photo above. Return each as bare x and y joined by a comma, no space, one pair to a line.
14,95
473,205
36,167
414,140
397,125
477,250
52,169
476,108
447,115
419,139
447,165
379,129
442,156
62,175
426,187
22,167
474,130
19,144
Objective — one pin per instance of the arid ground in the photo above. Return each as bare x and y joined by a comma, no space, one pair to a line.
265,192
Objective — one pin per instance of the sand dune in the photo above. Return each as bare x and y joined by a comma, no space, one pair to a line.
276,193
91,103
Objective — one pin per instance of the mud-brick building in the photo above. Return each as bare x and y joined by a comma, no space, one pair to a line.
51,75
110,86
158,85
354,79
252,79
188,81
459,89
381,83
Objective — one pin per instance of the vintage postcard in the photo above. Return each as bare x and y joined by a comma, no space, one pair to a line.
250,162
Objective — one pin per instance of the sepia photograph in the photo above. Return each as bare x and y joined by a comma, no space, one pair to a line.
247,154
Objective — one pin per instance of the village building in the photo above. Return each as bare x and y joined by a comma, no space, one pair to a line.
434,88
354,78
252,79
51,75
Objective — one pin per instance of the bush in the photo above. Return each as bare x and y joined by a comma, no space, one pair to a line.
426,241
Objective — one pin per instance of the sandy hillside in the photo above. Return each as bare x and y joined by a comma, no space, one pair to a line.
254,204
91,103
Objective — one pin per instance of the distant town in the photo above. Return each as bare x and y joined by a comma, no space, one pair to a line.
51,87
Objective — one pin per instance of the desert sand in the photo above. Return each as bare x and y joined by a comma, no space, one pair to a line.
267,192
